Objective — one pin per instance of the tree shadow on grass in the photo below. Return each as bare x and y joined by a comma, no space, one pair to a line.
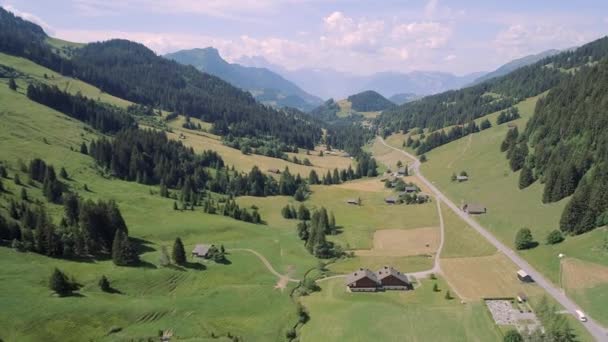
195,266
143,246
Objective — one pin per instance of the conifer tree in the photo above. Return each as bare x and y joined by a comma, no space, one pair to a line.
179,254
104,284
60,283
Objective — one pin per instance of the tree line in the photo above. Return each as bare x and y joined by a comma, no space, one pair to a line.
102,117
313,232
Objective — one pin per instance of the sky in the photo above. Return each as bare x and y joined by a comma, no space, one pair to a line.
360,37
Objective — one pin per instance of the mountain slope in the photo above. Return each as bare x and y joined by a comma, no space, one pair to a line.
265,85
515,64
133,72
461,106
369,101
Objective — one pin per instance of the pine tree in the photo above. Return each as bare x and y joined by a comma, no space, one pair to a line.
24,195
332,223
435,287
123,252
60,284
448,295
83,148
104,284
313,178
63,173
555,237
179,254
526,178
524,239
513,336
11,84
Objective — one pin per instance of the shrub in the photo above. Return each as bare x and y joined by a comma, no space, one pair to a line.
555,237
524,239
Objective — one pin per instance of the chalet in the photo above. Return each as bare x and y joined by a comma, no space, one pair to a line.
362,280
524,277
391,279
402,171
201,250
474,209
391,200
274,170
352,201
410,189
462,178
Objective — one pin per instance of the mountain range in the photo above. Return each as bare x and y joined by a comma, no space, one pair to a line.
515,64
266,86
329,83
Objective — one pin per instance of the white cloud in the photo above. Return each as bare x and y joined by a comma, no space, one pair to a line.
449,58
424,34
30,17
344,32
520,39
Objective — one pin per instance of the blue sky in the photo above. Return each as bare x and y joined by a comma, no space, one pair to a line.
361,37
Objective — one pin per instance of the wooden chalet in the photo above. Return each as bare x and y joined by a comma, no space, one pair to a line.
362,280
201,250
410,189
391,200
462,178
391,279
274,170
474,209
352,201
402,171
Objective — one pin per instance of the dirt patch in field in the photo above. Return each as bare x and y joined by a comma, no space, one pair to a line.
403,242
485,277
578,274
284,279
368,185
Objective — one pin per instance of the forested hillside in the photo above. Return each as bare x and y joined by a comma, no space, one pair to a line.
131,71
369,101
461,106
569,144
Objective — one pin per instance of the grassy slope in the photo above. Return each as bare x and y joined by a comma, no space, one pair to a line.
417,315
203,141
494,185
237,298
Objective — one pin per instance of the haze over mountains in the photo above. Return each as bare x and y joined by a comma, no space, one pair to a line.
328,82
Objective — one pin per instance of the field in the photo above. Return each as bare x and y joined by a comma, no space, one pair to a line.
418,315
403,242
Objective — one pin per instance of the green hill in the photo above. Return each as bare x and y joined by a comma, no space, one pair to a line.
265,85
369,101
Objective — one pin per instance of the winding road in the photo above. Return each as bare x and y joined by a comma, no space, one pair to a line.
595,329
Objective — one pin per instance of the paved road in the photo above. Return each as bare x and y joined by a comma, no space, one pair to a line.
596,330
265,262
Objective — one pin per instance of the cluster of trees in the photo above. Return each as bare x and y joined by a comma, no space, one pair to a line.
327,111
439,138
314,232
88,229
508,115
188,124
262,146
149,157
349,136
290,212
52,188
524,239
517,152
369,101
61,284
570,155
25,39
555,324
231,209
102,117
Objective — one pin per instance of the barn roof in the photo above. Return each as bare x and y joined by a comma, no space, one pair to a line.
201,249
390,271
476,208
360,274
